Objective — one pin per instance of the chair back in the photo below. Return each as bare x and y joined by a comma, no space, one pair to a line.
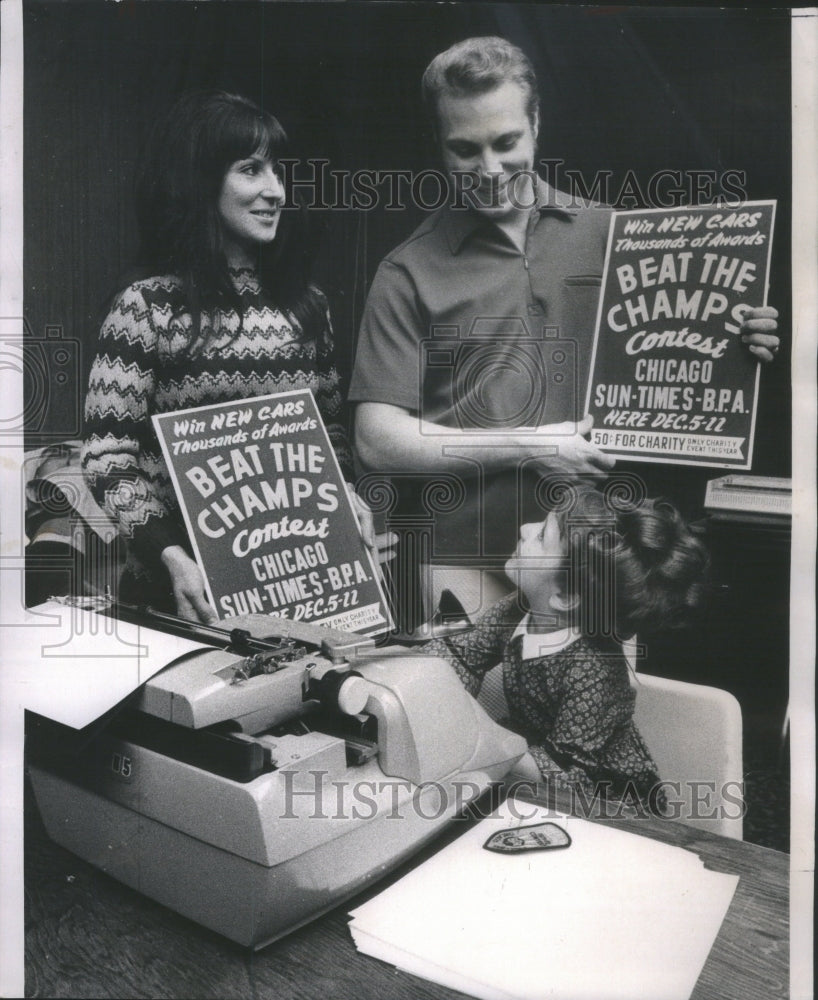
694,734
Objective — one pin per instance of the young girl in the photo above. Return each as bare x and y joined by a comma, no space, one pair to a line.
590,575
222,310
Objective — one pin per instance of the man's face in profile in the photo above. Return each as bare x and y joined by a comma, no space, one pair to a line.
491,137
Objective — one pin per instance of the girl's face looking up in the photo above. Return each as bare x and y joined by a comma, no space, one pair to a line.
249,205
538,564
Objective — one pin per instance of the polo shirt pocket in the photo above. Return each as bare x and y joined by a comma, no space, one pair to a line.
580,302
583,279
580,295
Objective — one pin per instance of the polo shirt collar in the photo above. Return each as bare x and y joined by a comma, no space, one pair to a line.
539,644
462,223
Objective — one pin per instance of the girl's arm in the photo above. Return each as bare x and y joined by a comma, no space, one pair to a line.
475,652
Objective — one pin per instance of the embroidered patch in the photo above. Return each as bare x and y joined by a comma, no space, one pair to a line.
540,837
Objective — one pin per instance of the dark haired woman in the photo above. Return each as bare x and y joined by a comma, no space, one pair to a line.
221,308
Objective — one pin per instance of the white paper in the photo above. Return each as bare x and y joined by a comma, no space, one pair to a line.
615,915
72,665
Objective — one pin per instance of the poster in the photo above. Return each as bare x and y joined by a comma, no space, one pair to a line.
670,379
268,514
628,92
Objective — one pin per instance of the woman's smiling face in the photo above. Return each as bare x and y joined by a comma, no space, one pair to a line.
249,206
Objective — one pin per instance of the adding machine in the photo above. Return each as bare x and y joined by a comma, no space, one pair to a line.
255,783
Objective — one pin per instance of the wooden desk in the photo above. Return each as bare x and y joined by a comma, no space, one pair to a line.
89,936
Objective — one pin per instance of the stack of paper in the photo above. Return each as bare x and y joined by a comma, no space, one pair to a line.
614,915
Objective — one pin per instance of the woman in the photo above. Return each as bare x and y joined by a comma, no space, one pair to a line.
221,310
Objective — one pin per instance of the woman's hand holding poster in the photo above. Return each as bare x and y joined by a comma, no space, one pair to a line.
670,379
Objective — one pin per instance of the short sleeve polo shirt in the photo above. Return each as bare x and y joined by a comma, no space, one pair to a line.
467,330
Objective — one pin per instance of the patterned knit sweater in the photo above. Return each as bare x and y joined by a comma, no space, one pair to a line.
144,366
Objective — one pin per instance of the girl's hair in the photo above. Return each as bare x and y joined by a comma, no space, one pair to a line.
634,563
177,190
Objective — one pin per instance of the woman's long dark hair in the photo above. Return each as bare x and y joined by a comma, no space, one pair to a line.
177,190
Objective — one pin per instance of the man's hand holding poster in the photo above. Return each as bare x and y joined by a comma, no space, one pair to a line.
268,513
670,378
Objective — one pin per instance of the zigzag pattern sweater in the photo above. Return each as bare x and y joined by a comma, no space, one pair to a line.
144,366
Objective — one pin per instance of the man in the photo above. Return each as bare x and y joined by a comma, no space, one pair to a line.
475,344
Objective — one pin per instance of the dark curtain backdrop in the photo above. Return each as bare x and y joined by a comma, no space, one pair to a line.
623,89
